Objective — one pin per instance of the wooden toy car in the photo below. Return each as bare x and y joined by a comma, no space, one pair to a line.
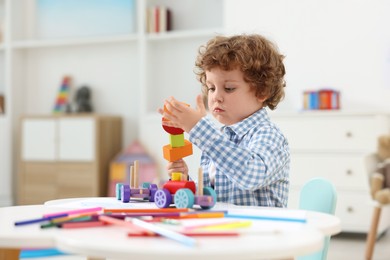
183,194
125,192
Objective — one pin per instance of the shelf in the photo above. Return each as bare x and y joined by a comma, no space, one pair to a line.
27,44
184,34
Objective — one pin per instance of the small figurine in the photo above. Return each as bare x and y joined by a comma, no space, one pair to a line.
83,102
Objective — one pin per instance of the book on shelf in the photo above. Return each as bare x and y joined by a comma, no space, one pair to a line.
2,105
323,99
158,19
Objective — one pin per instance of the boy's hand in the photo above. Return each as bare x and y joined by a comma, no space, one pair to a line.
182,116
178,166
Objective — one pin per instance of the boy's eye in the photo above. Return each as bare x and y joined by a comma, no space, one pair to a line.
211,89
228,90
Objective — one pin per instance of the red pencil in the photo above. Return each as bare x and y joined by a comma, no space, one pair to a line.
82,224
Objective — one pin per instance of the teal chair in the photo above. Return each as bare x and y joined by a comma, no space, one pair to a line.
319,195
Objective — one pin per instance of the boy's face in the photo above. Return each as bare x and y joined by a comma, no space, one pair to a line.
230,98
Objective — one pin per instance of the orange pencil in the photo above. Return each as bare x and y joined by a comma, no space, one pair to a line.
204,215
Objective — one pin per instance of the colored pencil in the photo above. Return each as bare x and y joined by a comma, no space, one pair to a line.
203,215
164,210
145,214
190,234
75,211
221,225
81,224
185,240
265,218
37,220
115,221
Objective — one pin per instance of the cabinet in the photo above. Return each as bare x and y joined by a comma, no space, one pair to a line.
335,145
66,156
129,71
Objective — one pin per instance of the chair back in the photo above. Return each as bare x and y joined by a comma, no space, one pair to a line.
319,195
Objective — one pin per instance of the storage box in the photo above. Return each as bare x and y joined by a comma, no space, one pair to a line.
77,18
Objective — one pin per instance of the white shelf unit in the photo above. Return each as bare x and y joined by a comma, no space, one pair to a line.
130,73
335,145
169,68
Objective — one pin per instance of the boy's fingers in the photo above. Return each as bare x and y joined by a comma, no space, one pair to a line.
200,104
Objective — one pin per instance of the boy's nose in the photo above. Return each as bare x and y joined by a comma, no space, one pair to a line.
218,97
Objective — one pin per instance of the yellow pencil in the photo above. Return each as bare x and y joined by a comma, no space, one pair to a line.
221,226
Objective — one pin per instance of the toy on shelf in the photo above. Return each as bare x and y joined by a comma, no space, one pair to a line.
125,192
83,100
62,102
178,191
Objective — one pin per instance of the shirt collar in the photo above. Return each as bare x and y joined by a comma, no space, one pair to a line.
242,127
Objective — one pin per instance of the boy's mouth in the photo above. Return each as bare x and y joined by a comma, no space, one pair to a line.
218,110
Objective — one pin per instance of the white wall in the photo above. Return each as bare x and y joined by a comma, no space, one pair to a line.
110,71
342,44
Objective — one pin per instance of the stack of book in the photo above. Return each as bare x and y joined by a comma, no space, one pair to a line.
158,19
321,99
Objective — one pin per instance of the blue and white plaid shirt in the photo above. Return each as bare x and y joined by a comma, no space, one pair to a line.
251,157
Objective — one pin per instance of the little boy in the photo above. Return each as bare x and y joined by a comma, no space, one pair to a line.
247,161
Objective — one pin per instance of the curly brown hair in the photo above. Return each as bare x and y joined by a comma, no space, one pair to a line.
257,57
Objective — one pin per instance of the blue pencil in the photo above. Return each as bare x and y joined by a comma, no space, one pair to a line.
37,220
265,218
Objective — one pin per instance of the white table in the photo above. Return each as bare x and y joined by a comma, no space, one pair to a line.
112,242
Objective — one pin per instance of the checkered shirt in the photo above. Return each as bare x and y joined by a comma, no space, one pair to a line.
251,157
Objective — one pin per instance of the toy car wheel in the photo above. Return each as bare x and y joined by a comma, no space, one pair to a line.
152,189
162,198
211,192
125,193
184,198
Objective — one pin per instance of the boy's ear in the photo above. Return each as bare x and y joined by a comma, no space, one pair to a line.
262,99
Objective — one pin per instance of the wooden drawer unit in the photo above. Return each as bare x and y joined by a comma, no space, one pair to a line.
334,145
66,156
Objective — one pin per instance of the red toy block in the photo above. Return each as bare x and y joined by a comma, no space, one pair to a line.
175,153
169,129
173,186
172,130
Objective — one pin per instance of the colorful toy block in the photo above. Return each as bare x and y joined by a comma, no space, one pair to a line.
176,140
175,153
172,130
